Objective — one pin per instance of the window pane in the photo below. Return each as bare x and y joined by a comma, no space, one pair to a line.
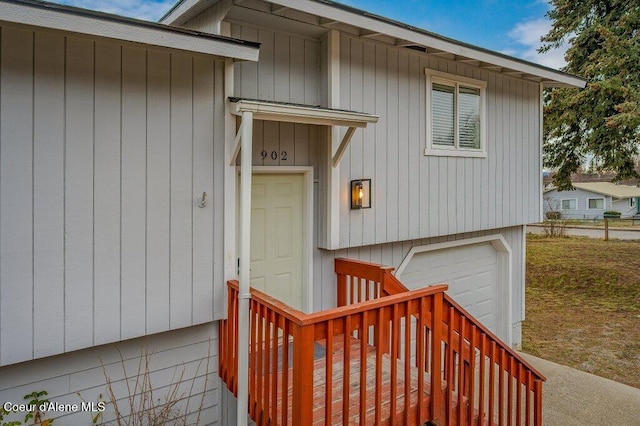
469,117
568,204
596,203
442,113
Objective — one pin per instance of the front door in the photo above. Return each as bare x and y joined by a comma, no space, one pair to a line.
278,237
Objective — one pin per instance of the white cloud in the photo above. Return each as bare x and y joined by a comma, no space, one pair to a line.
526,36
141,9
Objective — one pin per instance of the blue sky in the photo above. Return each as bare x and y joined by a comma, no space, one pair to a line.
511,27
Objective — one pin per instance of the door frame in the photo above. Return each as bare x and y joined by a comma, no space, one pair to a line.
307,223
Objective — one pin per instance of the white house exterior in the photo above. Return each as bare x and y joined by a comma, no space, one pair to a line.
590,200
112,131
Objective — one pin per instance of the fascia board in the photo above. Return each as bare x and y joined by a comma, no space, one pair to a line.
549,76
60,20
301,114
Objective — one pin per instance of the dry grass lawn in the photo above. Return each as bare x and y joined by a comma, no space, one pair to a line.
583,305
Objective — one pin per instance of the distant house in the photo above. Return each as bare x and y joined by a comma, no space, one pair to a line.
589,200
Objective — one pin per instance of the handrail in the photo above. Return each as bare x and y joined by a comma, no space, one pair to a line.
351,331
477,342
439,363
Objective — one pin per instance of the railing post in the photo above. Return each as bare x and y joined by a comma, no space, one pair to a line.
436,353
303,341
537,401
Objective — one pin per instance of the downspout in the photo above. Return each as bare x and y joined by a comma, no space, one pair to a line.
245,248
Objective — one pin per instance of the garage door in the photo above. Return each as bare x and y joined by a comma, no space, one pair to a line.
471,271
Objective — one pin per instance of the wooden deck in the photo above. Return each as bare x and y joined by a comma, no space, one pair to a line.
372,359
388,396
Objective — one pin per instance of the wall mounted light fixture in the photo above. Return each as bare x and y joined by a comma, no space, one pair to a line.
361,194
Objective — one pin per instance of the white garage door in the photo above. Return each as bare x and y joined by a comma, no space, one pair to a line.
471,271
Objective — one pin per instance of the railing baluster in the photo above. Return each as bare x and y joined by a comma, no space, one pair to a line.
510,391
528,390
286,334
519,396
259,355
395,330
472,371
492,381
407,362
501,394
481,393
436,364
328,409
363,368
253,356
420,358
274,369
450,368
461,372
380,325
346,369
267,365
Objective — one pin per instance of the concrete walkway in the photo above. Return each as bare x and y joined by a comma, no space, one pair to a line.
572,397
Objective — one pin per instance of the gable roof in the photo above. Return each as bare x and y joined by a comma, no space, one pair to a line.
332,15
89,22
607,188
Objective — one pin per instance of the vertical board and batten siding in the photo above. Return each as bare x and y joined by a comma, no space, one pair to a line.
288,69
392,254
552,201
285,144
414,195
105,149
81,376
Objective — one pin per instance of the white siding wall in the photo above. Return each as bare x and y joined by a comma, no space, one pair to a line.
191,352
552,201
624,208
105,149
324,293
417,196
291,144
288,69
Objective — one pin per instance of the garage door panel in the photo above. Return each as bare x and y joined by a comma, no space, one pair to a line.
470,271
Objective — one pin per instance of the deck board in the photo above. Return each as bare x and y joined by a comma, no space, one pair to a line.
319,386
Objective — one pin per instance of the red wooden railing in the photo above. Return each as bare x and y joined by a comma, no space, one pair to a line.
375,357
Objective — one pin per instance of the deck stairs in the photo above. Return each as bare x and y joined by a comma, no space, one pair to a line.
373,359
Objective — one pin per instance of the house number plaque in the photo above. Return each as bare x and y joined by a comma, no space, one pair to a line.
274,155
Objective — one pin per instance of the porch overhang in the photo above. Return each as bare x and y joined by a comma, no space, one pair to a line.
304,114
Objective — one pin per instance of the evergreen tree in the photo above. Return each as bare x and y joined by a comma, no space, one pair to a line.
603,119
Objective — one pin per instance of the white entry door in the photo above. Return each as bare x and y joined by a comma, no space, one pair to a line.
278,237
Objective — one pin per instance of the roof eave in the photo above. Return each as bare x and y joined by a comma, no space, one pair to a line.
69,19
337,12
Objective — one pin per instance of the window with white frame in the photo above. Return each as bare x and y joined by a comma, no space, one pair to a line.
455,115
595,203
632,202
569,204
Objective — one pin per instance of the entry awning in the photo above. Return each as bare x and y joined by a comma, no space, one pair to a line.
305,114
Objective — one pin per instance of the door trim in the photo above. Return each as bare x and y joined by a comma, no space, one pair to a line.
504,284
307,224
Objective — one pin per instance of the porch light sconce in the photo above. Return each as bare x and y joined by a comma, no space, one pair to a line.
360,194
